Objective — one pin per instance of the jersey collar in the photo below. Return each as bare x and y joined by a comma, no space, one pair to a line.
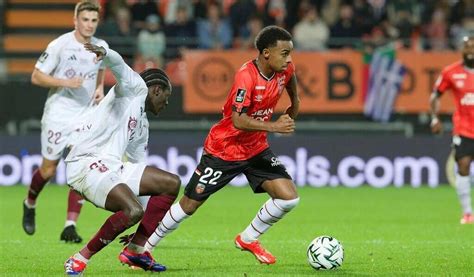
261,74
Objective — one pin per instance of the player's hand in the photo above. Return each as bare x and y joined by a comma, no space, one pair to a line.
99,51
285,125
126,239
436,126
75,82
98,95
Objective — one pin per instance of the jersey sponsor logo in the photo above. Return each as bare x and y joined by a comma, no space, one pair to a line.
239,98
72,58
260,87
459,76
265,113
468,99
43,57
275,162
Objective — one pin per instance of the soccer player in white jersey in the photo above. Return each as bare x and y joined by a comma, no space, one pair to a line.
75,81
119,127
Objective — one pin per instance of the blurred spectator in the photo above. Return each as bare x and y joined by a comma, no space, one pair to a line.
239,14
311,33
200,9
181,34
436,31
363,16
330,11
343,32
214,32
151,41
461,10
141,10
466,28
275,13
172,10
119,33
404,15
248,33
377,10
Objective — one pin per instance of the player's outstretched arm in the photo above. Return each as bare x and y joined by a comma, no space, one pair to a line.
285,124
125,76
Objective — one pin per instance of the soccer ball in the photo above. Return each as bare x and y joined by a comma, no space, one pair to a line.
325,252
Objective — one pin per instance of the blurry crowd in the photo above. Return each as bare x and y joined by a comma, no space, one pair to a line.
158,30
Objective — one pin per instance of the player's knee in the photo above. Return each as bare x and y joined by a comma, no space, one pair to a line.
134,214
173,183
287,205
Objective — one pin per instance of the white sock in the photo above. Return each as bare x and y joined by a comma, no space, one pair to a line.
272,211
69,223
168,224
28,205
136,248
81,258
463,189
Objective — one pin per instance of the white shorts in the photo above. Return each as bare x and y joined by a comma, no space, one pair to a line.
95,177
54,139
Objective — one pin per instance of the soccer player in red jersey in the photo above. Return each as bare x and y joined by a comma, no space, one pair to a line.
238,144
459,79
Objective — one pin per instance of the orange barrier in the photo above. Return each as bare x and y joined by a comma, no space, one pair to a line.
26,43
328,82
39,19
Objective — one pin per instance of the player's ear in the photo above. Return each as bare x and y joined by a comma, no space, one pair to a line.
266,53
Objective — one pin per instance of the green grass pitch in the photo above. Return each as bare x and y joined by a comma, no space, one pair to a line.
391,232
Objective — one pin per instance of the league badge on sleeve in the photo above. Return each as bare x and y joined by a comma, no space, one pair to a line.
239,98
43,57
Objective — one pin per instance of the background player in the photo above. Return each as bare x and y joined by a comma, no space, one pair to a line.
75,80
119,126
238,144
459,78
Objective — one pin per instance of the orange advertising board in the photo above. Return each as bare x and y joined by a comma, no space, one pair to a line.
328,82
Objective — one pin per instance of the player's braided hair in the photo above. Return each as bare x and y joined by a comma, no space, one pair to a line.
156,76
269,36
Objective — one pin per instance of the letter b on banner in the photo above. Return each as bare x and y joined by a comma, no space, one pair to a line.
340,85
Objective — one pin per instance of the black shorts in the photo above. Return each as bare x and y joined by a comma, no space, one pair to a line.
213,173
463,147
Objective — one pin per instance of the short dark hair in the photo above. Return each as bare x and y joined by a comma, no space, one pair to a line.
156,76
269,36
86,5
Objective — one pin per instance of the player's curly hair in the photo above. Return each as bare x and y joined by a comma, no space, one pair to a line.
86,5
156,76
269,36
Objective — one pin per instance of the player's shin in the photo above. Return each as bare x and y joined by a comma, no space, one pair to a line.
113,226
463,189
74,206
36,186
272,211
169,223
155,211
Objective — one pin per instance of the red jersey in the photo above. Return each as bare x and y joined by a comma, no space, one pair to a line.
256,95
460,80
